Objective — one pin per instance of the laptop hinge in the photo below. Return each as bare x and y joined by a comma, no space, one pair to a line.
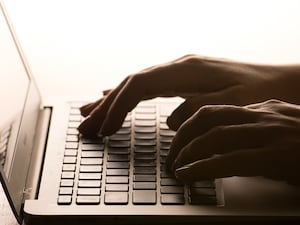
37,158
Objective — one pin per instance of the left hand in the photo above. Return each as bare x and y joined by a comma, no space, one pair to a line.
224,140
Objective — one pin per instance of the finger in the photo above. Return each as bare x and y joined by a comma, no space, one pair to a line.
85,110
240,163
186,78
106,92
88,108
205,119
225,139
143,86
192,104
93,123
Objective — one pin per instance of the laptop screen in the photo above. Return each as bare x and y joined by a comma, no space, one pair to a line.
19,104
13,89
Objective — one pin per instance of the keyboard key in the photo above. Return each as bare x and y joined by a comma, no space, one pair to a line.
172,199
90,176
113,198
145,110
144,197
70,160
73,124
65,191
72,138
92,147
74,111
116,187
126,124
117,180
88,191
141,116
92,140
124,131
165,146
119,144
170,182
145,123
120,137
75,118
144,170
119,151
144,186
168,133
89,183
145,149
117,165
145,156
91,161
64,200
145,129
145,136
202,191
70,152
147,163
165,139
203,200
68,175
92,154
67,183
71,145
87,200
145,143
69,167
163,125
167,174
172,190
117,172
144,178
90,168
72,131
118,158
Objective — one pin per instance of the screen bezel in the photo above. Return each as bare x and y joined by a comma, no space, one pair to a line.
15,188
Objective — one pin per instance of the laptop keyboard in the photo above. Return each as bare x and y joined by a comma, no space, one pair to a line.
127,167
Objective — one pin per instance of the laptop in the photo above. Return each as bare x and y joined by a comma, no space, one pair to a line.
52,175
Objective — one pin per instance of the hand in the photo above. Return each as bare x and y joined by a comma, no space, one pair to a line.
224,140
199,80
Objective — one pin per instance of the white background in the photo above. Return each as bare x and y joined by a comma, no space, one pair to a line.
78,47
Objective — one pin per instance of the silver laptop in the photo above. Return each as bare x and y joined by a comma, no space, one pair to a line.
52,175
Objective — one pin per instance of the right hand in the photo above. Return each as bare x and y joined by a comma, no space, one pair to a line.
199,80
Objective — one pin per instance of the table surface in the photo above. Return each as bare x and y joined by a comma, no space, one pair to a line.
82,47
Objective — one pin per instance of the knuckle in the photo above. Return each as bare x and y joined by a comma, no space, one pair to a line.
191,58
206,109
273,102
136,81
